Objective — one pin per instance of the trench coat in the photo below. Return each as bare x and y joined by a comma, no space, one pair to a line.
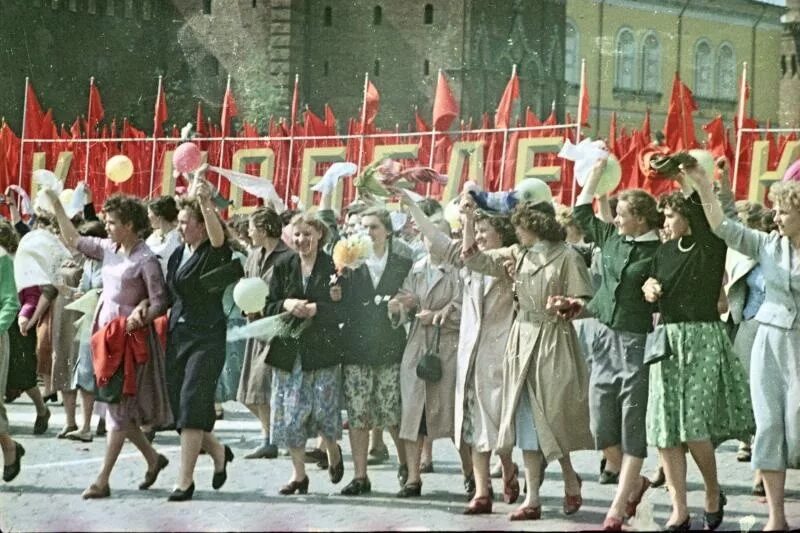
487,312
435,399
543,358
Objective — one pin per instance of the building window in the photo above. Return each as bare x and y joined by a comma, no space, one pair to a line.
428,17
726,72
571,50
703,70
626,60
651,64
377,15
426,68
325,68
206,7
327,16
377,67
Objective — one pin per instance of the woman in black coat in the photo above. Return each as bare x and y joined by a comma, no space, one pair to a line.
306,381
374,349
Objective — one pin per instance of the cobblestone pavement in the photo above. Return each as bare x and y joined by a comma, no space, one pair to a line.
46,495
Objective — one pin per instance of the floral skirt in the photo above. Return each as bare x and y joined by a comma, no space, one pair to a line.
372,395
305,404
701,391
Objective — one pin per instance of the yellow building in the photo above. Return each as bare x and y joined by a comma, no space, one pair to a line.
634,47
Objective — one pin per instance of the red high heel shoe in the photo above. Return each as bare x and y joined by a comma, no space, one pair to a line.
573,502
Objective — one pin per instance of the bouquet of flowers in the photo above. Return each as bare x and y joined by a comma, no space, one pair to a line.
351,252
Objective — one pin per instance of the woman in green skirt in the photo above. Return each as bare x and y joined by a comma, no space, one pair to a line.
699,395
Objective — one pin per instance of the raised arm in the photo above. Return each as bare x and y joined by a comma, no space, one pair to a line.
438,238
67,229
216,234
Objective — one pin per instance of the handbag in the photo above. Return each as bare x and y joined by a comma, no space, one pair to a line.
111,392
429,368
656,346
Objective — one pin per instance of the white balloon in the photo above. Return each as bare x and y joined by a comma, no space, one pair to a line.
533,190
250,294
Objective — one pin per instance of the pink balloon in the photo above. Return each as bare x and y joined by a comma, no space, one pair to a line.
793,172
187,158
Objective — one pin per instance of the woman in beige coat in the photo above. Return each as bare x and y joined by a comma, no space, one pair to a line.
545,382
487,313
431,296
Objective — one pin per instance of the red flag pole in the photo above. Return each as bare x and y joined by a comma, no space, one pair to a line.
363,122
89,124
155,137
291,139
740,121
224,120
22,138
581,112
505,141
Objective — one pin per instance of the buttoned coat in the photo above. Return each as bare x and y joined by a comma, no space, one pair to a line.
543,358
435,399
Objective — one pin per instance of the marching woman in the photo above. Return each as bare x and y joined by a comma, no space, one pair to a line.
163,216
9,306
619,378
306,378
775,358
487,313
255,384
197,278
374,349
431,298
132,281
698,395
545,381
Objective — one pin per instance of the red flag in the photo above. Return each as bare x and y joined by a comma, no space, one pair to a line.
96,112
372,100
200,122
313,124
33,114
330,120
716,137
612,135
75,129
646,127
420,122
229,110
160,115
48,129
445,107
502,117
584,104
679,126
531,120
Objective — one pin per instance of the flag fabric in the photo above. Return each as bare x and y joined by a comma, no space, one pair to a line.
33,114
445,107
229,110
613,147
96,112
584,104
372,101
160,115
330,120
645,130
716,141
502,117
679,126
200,122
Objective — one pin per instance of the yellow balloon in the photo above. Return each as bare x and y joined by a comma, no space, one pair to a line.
610,178
119,168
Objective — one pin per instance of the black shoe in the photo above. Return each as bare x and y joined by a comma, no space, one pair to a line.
469,486
267,450
602,465
336,472
150,435
179,495
758,490
378,456
608,478
402,474
220,478
659,479
150,477
315,455
713,520
359,485
101,428
426,468
410,490
52,398
11,471
295,486
322,464
685,526
41,423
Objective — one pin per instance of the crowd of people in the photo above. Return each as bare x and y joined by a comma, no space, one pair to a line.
669,322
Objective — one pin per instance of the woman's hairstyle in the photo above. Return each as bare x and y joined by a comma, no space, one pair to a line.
129,210
787,194
45,220
383,217
501,224
540,220
288,215
311,219
642,204
164,207
9,238
268,220
766,221
675,201
192,206
93,228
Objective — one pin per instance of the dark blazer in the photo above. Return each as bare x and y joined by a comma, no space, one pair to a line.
319,345
369,336
197,307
